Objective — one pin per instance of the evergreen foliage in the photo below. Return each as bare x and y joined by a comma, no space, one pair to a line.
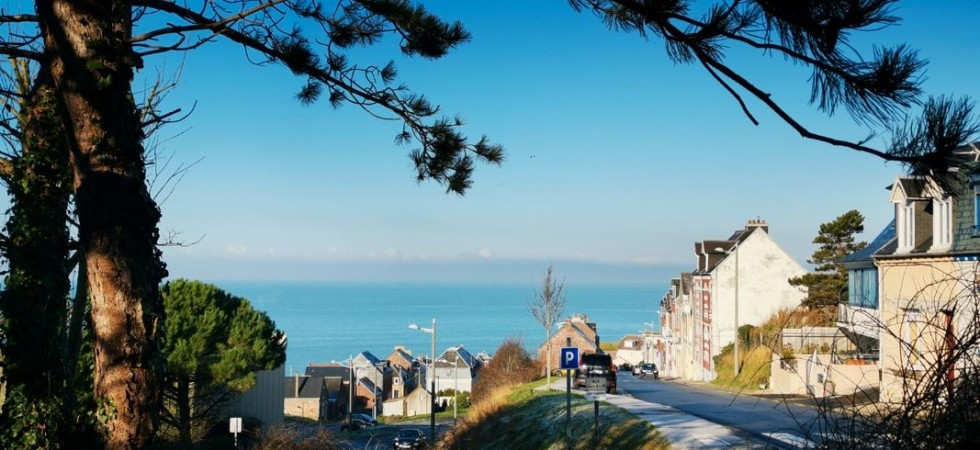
827,284
877,88
215,343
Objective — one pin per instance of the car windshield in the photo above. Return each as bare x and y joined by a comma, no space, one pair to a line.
409,434
648,366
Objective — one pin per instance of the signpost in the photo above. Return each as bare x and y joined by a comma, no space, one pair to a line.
569,362
235,427
595,387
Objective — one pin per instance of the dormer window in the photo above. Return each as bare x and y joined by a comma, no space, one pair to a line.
975,229
905,225
942,223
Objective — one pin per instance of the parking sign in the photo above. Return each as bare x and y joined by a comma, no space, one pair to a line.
569,358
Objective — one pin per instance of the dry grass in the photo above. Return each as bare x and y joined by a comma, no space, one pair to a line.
519,418
288,437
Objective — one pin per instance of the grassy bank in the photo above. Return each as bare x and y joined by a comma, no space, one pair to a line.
519,417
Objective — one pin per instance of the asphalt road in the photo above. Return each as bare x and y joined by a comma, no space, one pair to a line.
783,423
382,436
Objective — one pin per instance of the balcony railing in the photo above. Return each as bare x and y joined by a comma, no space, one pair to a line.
860,320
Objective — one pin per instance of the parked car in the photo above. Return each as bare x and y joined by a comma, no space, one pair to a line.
636,369
649,369
596,364
409,438
358,421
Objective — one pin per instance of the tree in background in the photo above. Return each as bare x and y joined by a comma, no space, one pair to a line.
547,307
93,50
93,53
511,365
826,285
215,343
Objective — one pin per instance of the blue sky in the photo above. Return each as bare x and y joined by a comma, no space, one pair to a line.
617,161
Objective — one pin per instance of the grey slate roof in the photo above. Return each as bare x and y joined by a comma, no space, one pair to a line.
370,357
863,257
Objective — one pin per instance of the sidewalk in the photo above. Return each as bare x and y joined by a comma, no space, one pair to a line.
683,430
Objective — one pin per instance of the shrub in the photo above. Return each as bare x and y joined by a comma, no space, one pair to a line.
511,364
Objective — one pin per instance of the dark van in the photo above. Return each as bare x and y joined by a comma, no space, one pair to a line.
596,364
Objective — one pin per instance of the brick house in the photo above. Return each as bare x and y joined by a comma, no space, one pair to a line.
578,331
320,394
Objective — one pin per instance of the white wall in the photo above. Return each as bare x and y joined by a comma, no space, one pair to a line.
763,289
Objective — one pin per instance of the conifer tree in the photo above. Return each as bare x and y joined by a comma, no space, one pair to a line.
215,343
827,284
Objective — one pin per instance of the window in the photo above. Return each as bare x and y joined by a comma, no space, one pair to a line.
864,288
942,223
905,225
975,230
912,342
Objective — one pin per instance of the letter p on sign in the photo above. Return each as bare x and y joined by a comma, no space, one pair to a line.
569,358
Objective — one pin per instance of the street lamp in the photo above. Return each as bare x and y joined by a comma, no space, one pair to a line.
432,374
734,250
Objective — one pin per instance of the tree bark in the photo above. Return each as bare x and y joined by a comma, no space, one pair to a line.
184,410
92,64
33,301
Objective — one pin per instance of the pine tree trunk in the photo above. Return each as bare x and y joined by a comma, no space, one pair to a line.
184,410
36,287
92,66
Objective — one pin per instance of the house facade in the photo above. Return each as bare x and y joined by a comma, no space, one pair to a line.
456,369
574,331
632,350
322,393
928,280
737,281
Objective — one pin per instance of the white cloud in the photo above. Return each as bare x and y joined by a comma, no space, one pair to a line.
484,253
236,249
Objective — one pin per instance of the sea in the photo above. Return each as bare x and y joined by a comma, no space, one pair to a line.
329,322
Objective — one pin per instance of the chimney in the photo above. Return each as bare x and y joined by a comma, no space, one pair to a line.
757,223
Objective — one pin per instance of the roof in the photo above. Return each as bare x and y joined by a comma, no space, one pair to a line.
400,358
863,256
449,359
309,387
629,337
369,357
327,370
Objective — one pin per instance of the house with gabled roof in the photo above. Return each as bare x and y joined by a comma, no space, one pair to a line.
676,327
738,281
928,278
632,350
456,369
321,393
410,370
377,370
574,331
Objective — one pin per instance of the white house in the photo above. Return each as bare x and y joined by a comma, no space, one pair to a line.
738,281
456,369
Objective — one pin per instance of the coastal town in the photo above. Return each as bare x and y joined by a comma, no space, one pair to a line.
767,212
737,282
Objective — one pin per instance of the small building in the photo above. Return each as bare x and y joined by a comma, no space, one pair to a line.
631,350
575,331
417,402
456,369
320,394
